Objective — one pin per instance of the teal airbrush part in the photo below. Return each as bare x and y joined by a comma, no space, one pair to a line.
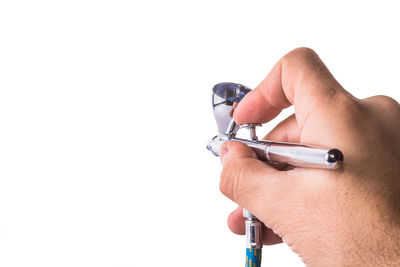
253,257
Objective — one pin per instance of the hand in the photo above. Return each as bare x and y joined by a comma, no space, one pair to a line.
348,216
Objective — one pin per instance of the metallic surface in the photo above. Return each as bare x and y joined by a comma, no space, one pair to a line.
284,153
253,230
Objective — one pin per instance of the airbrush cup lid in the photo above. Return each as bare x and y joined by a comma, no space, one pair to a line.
230,92
225,95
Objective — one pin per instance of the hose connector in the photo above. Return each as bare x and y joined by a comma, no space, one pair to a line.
253,230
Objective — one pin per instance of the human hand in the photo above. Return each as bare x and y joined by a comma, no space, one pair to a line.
347,216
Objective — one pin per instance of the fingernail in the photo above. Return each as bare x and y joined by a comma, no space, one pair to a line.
222,153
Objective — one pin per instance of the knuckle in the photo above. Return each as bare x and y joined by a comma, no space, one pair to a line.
381,104
386,101
301,54
231,177
304,51
306,61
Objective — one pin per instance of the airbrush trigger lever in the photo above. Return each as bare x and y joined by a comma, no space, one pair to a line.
252,130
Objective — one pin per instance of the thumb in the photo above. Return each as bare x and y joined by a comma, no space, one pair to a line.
251,183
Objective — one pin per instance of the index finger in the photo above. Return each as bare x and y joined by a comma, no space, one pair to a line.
301,79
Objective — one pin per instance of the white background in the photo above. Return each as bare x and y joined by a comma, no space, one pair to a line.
105,113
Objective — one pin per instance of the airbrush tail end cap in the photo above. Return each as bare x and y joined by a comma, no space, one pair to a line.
335,155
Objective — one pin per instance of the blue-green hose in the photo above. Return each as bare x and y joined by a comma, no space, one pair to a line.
253,257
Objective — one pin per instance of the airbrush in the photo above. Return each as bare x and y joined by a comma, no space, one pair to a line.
225,98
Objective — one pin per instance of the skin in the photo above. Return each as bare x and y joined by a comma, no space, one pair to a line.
344,217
